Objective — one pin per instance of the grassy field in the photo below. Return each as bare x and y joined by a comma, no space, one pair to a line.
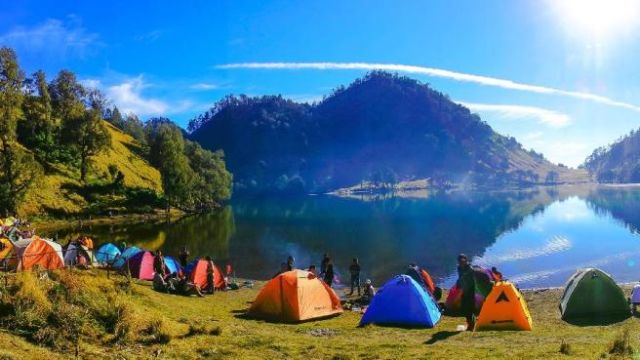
114,318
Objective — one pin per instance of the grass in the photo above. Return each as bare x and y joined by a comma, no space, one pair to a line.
56,192
135,322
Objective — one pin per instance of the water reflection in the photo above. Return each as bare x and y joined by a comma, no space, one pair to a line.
536,237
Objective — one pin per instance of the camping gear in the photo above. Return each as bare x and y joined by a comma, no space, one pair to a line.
197,271
593,295
39,252
402,301
141,265
75,250
427,280
107,253
504,309
172,264
294,296
126,254
483,284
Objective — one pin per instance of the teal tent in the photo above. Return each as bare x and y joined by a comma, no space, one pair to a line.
592,295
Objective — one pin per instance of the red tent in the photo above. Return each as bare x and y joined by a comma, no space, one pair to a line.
198,274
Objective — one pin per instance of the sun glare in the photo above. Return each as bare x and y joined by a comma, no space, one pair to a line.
598,18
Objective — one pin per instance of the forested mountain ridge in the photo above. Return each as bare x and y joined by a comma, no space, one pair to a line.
383,129
618,162
65,151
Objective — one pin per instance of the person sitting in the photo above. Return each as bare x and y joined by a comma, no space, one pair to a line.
368,293
497,275
312,269
635,297
159,284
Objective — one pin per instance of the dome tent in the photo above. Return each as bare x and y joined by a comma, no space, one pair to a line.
402,301
295,296
107,254
72,252
39,252
126,254
504,309
197,271
141,265
592,295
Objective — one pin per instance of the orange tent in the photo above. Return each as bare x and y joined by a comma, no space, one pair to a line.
198,274
40,252
504,309
293,296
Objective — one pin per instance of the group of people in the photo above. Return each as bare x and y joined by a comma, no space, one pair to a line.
178,282
328,275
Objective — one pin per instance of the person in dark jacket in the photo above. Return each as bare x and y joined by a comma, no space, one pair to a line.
183,256
328,275
415,273
158,263
354,270
291,263
323,264
466,283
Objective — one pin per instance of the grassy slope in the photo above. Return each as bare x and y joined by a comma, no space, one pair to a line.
50,192
251,339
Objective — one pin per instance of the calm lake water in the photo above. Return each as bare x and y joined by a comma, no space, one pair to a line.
536,238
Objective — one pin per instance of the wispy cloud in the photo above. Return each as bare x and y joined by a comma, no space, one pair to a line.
150,36
204,86
435,72
128,97
52,38
544,116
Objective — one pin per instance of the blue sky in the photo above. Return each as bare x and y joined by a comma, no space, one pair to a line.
561,76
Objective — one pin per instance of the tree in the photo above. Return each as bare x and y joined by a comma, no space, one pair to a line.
167,154
134,127
213,181
36,131
17,169
87,133
116,118
66,96
552,177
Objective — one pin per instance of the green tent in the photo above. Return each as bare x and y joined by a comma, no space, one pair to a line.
591,294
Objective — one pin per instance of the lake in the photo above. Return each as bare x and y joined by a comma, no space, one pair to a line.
536,237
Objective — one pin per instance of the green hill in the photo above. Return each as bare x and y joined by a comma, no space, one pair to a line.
59,190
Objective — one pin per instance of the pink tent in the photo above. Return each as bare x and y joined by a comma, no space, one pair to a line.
141,265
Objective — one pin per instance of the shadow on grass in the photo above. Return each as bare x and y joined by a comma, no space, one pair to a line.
596,321
441,335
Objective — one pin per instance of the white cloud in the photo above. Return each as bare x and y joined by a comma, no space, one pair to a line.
204,86
91,83
128,97
544,116
442,73
52,38
151,36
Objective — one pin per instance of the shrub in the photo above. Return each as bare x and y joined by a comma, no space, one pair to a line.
157,332
622,344
124,320
565,348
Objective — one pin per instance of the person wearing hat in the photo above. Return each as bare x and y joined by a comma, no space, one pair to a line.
369,292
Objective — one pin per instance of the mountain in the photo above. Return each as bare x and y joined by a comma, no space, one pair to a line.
618,162
382,129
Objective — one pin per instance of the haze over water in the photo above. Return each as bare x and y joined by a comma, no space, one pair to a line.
536,238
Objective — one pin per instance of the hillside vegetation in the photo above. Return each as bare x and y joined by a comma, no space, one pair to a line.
382,128
65,152
618,162
105,318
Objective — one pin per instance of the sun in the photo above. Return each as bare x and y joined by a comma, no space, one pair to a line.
600,19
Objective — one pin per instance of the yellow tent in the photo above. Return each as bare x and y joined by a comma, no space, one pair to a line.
504,309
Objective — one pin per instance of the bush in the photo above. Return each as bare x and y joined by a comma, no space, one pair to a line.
157,332
622,344
565,348
123,326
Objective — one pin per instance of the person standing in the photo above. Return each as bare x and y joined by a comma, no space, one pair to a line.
466,283
354,270
323,264
158,263
291,263
211,286
328,275
183,256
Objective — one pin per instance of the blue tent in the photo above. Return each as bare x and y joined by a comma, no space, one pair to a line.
127,253
172,264
107,253
402,301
